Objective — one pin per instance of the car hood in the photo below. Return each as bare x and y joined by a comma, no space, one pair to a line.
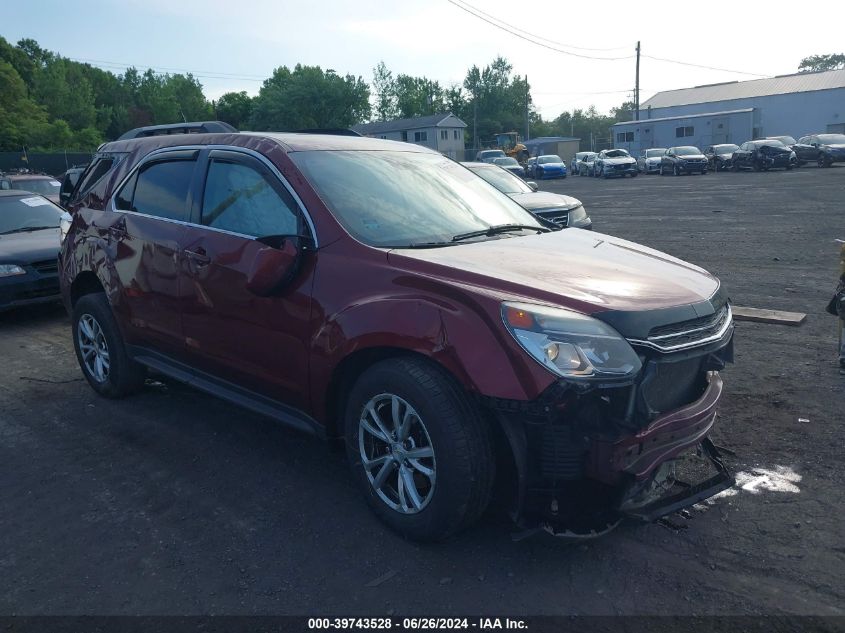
539,200
24,248
620,160
692,157
552,165
582,270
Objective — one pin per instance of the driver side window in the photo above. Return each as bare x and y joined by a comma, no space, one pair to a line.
245,199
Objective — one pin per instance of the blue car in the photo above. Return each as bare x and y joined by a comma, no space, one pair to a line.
549,166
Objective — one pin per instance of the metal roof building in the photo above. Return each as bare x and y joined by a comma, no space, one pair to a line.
737,111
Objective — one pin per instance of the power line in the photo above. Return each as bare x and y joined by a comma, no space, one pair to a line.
724,70
165,70
533,39
530,37
538,37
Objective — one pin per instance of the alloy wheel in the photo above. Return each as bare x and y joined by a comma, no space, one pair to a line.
396,453
93,347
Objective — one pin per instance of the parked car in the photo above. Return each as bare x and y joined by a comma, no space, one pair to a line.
549,166
29,248
563,211
649,160
529,167
587,165
614,162
683,160
719,156
380,293
823,149
762,155
41,184
578,160
511,165
489,155
69,180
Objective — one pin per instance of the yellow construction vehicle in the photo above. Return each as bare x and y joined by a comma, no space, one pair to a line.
511,144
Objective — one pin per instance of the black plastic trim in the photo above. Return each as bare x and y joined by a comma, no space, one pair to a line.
226,390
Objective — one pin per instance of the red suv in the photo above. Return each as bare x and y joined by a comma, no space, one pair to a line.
381,293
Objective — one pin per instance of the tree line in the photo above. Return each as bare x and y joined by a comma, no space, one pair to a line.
49,102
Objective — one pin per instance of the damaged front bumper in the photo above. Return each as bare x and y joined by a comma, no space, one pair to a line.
585,460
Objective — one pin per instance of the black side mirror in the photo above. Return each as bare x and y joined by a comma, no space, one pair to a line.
275,264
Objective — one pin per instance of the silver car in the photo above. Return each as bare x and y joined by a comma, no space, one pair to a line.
648,162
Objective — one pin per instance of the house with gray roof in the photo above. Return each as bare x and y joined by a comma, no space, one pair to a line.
442,132
734,112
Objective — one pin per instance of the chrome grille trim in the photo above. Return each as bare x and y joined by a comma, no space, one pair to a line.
719,326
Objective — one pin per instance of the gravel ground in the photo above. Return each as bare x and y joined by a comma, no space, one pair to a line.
175,503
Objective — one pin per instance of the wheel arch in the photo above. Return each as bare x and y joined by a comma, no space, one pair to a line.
83,284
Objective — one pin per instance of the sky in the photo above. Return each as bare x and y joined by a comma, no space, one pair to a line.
233,46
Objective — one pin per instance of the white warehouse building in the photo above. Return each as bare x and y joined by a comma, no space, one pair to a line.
738,111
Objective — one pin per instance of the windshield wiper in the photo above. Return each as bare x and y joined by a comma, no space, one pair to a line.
499,228
28,229
427,245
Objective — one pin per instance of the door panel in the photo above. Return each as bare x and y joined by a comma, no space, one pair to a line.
260,343
147,234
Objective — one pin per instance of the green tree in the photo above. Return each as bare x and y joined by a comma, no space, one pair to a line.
384,87
418,96
308,97
62,88
234,108
815,63
497,100
20,116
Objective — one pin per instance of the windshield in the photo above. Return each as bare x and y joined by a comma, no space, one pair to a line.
584,155
504,162
616,153
687,151
832,139
393,199
651,153
544,160
786,140
503,180
492,153
44,186
771,142
27,213
725,149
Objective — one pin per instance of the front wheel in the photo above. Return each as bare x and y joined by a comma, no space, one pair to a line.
419,449
675,171
100,350
822,162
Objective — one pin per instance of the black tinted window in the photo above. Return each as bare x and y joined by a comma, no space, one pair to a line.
244,200
97,170
160,189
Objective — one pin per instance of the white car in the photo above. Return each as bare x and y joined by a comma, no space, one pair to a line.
648,161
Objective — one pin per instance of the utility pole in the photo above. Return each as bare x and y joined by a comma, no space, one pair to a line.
637,88
475,121
527,96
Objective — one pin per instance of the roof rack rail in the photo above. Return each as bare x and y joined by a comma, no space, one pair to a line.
193,127
335,131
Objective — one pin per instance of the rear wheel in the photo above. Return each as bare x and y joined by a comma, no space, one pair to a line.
822,162
100,349
675,171
419,449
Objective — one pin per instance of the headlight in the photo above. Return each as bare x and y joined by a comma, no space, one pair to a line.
570,344
64,226
577,213
10,270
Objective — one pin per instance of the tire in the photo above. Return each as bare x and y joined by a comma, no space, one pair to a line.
662,173
675,171
442,419
100,350
823,163
635,174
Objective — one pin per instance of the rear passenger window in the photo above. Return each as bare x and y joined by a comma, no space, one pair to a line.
246,200
159,189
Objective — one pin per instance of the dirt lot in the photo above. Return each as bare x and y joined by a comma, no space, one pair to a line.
176,503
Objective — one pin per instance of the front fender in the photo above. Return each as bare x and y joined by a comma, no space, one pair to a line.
466,338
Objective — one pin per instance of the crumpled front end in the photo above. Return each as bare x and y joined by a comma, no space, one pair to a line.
588,455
